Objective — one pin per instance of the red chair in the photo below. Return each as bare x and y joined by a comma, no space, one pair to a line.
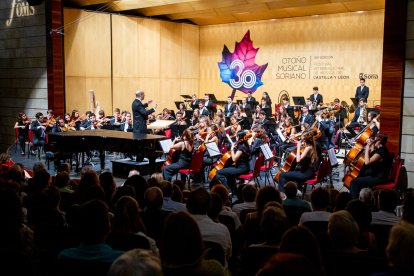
324,170
195,167
168,133
256,171
398,176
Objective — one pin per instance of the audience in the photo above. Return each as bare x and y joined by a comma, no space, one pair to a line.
319,202
291,191
249,193
168,204
140,186
388,200
136,262
222,191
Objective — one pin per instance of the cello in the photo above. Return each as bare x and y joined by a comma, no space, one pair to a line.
290,161
226,160
361,140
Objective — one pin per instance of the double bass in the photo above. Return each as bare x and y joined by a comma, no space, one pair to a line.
290,161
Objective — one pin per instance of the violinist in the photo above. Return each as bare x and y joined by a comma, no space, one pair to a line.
288,134
90,123
240,156
166,114
306,117
201,133
181,120
39,133
372,117
211,136
22,125
257,112
359,119
195,118
60,126
102,119
184,144
255,142
234,126
183,110
266,107
376,167
116,120
66,118
327,127
126,125
340,114
306,158
75,120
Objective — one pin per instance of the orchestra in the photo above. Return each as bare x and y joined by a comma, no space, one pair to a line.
240,128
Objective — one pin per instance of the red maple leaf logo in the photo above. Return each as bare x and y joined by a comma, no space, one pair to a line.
238,69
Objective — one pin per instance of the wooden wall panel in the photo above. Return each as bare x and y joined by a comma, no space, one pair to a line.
88,60
148,48
170,50
393,71
354,40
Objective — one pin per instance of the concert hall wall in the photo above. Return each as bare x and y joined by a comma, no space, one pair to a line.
352,41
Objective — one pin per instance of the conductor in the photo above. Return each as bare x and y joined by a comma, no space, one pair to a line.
140,112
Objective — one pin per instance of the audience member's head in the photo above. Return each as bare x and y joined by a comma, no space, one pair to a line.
400,249
136,262
122,191
343,230
39,166
181,243
333,193
249,193
408,208
154,198
157,176
180,184
62,180
299,239
319,199
291,189
361,213
107,182
366,196
239,192
140,186
92,221
198,202
133,172
222,191
126,217
166,188
342,200
41,180
265,195
64,167
216,207
16,173
287,264
274,223
177,193
388,200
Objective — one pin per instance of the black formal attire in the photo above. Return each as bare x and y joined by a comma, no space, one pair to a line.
354,123
327,128
339,117
183,162
247,109
125,127
316,97
373,174
22,135
251,101
204,112
39,135
361,92
56,128
307,119
303,172
228,175
194,104
229,109
140,114
267,109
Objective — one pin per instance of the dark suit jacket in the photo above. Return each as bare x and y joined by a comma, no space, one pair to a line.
364,93
356,115
194,105
204,112
308,119
39,133
319,98
122,127
229,110
140,116
247,109
251,101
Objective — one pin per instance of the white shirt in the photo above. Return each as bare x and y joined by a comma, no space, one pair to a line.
237,208
387,218
314,216
214,232
226,211
170,205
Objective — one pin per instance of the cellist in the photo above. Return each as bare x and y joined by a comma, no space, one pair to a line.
306,161
376,165
184,144
240,155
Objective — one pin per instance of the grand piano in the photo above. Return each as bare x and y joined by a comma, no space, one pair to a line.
141,145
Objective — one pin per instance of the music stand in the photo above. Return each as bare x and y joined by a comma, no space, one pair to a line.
177,130
177,105
299,100
212,149
267,152
212,97
187,97
166,145
355,102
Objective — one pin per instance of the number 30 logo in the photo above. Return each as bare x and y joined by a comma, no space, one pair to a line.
246,78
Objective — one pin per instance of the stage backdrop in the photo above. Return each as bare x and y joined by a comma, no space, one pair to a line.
116,55
329,51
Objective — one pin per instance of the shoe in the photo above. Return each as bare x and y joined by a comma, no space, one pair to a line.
22,153
32,152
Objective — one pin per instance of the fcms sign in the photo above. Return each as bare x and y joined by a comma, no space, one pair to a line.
19,8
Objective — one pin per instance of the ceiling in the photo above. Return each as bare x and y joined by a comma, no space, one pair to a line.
211,12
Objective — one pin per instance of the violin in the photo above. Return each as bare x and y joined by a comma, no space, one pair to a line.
50,122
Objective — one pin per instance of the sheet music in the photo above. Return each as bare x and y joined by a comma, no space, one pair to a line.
267,152
160,124
281,136
231,141
212,149
166,145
